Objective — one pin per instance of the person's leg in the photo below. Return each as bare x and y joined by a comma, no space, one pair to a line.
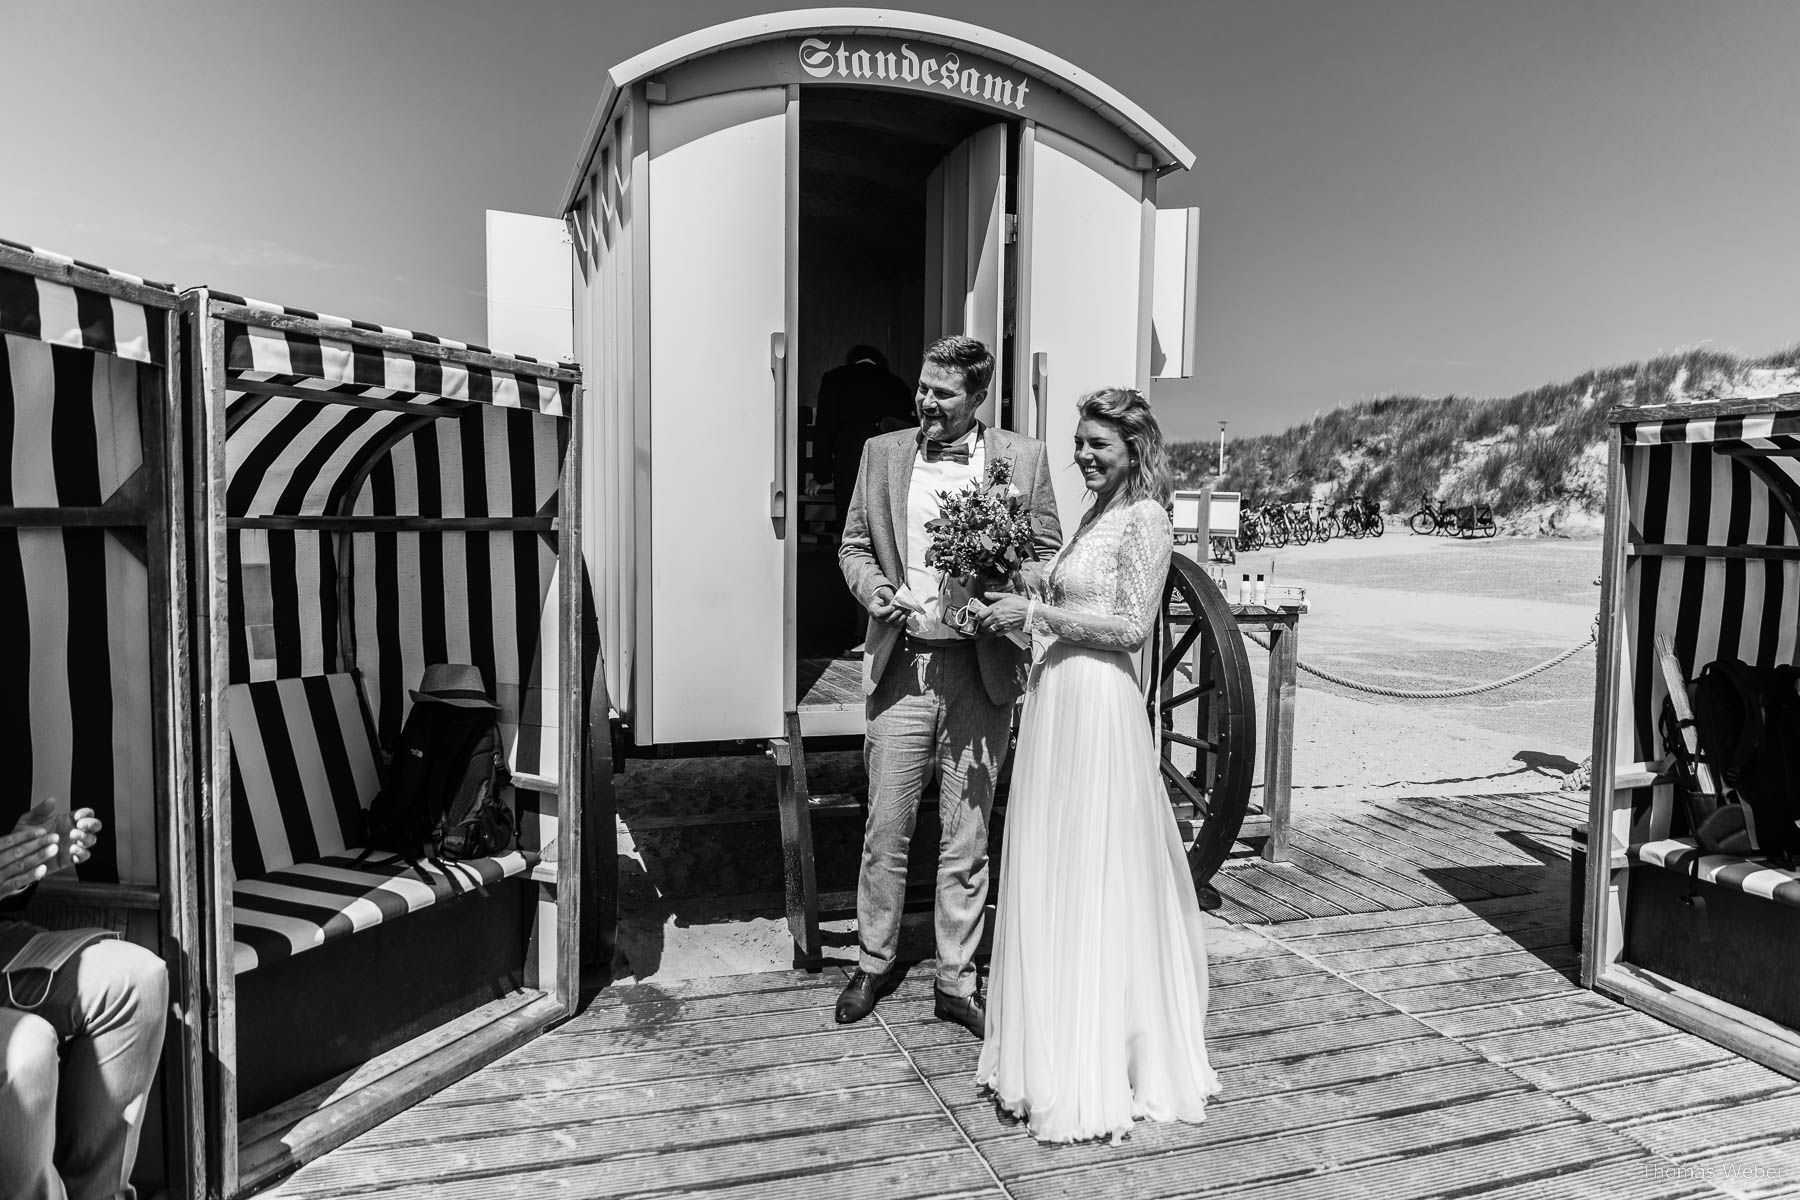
972,744
111,1001
27,1107
898,751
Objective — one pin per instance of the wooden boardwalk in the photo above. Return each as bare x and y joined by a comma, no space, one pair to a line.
1393,1016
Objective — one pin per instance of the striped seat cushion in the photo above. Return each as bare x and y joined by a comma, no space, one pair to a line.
303,770
305,905
1752,876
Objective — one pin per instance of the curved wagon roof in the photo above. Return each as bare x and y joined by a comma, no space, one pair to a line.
315,399
1060,74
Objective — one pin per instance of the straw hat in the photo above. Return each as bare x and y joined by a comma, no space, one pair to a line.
453,683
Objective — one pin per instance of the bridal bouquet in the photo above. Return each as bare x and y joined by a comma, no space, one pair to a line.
980,538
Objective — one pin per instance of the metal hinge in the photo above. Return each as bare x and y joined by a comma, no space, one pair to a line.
1012,228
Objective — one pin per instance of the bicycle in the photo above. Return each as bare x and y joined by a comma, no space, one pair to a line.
1249,530
1299,518
1325,526
1372,520
1434,518
1275,521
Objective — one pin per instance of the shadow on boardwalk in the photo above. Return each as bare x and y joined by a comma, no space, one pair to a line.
1393,1013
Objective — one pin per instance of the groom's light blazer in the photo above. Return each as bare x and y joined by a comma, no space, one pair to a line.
873,552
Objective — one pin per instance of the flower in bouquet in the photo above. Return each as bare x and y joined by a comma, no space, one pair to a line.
980,538
981,531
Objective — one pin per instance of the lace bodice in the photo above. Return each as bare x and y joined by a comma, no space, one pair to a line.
1105,586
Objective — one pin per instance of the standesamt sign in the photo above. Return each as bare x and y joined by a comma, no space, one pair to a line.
922,66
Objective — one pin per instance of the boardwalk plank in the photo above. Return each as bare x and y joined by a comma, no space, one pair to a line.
1762,1172
1459,1169
1458,969
1268,881
1573,1072
1350,1006
647,1008
1631,1032
1387,872
1358,881
1729,1083
1282,1161
1531,1012
1483,851
1440,997
1252,1126
1226,972
957,1175
377,1166
1773,1119
508,1076
1623,1179
631,1037
1500,913
1382,845
790,1159
655,991
451,1113
1426,949
1283,876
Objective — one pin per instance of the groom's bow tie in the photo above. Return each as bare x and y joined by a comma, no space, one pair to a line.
946,451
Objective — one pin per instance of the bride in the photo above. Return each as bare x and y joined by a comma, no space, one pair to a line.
1097,988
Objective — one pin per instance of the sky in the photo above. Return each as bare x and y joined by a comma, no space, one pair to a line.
1396,196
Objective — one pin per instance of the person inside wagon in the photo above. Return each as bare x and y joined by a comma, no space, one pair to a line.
81,1029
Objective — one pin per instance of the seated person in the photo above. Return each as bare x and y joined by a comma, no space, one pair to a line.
81,1030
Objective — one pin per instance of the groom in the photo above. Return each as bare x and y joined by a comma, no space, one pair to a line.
937,700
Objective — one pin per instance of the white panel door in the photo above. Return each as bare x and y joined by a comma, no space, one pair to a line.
529,300
719,179
965,233
1176,292
1085,241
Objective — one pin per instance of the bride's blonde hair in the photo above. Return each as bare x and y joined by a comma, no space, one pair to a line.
1126,410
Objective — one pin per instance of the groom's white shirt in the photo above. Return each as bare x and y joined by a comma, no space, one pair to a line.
922,505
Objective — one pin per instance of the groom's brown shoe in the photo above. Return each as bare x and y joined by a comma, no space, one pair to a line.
968,1011
857,1000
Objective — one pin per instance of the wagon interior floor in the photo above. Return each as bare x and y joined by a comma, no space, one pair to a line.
831,681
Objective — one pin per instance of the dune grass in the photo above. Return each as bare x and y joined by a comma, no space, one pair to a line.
1513,452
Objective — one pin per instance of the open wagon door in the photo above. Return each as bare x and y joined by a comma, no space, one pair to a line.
965,246
717,620
1084,226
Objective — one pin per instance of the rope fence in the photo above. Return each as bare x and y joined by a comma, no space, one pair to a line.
1377,689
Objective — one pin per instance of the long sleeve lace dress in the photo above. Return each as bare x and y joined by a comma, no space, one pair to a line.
1097,986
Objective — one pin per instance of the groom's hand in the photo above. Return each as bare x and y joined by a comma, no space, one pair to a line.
883,608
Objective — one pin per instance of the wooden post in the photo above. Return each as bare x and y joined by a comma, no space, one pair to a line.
1602,770
1278,750
798,871
211,619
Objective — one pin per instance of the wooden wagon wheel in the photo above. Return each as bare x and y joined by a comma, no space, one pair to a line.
1204,710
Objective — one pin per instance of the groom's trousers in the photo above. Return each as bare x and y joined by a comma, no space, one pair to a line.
930,712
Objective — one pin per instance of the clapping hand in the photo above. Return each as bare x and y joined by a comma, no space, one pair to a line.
85,833
29,852
25,855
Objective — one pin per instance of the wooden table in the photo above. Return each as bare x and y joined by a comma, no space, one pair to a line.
1282,625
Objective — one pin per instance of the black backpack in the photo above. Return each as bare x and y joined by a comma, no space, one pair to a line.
442,798
1747,720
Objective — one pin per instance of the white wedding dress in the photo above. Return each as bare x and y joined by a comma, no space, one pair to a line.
1097,984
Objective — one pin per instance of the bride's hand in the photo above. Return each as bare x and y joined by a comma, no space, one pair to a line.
1004,613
